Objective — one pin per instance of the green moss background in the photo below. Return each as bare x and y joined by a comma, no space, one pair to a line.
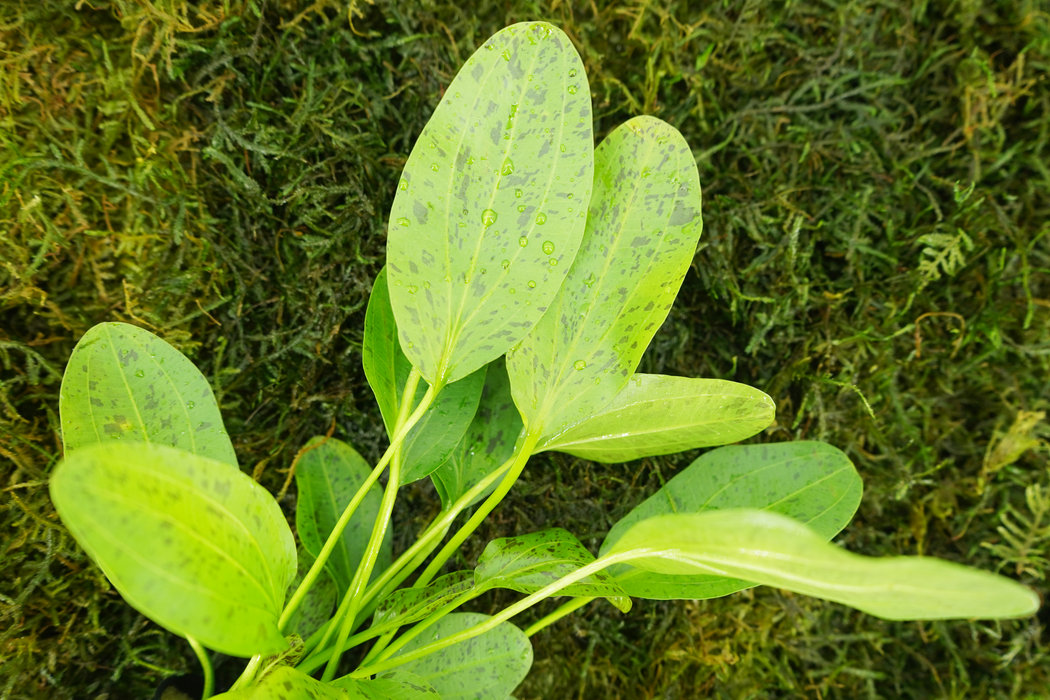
875,257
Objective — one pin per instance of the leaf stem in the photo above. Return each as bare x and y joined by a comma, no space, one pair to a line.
564,609
248,674
209,674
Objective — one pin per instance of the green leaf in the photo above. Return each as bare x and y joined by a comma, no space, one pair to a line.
659,415
495,188
642,228
124,383
771,549
394,685
285,683
190,542
316,608
486,667
531,562
809,481
327,478
429,444
407,605
487,444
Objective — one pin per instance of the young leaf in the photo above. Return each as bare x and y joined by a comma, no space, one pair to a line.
643,224
494,190
327,478
285,683
124,383
190,542
407,605
393,685
659,415
809,481
486,667
771,549
487,444
316,608
530,562
441,428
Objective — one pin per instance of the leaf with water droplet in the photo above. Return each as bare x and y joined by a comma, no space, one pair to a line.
456,329
169,401
641,237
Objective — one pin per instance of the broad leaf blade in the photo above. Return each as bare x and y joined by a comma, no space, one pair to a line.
486,667
190,542
506,157
429,444
487,444
316,608
285,683
531,562
809,481
407,605
658,415
643,224
124,383
395,685
771,549
327,478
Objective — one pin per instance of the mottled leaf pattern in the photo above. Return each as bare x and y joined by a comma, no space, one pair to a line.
327,478
429,444
319,603
408,605
124,383
774,550
487,444
190,542
492,202
394,685
658,415
531,562
809,481
486,667
642,228
286,683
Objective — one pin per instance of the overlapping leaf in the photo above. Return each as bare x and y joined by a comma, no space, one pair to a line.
642,228
771,549
394,685
190,542
658,415
442,427
286,683
492,202
408,605
124,383
328,476
811,482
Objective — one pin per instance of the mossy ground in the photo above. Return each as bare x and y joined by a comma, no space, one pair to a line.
877,209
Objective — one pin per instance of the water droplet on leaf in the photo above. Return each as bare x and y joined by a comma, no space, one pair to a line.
403,221
488,217
506,264
579,364
548,247
403,185
532,284
523,241
541,218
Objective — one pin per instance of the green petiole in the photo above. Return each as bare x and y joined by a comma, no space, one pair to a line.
209,674
564,609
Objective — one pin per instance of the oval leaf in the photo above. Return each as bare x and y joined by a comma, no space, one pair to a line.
328,476
486,667
190,542
316,608
436,435
124,383
487,444
531,562
642,228
659,415
809,481
408,605
771,549
394,685
285,683
495,188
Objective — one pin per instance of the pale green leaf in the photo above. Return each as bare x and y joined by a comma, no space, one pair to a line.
531,562
319,603
285,683
642,228
774,550
407,605
492,202
190,542
809,481
486,667
429,444
394,685
328,476
124,383
487,444
658,415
